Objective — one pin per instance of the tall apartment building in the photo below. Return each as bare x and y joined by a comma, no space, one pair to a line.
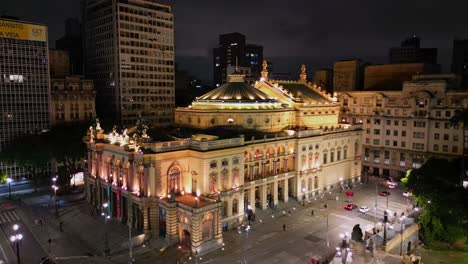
233,50
410,51
24,83
129,53
324,79
460,60
72,42
348,75
392,76
402,129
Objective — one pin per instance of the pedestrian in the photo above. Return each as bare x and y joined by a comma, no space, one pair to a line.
61,226
325,206
40,221
289,212
312,213
284,227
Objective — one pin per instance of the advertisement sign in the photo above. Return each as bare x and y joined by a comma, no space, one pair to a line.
22,31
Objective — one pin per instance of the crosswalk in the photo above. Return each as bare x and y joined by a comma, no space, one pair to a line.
8,216
393,207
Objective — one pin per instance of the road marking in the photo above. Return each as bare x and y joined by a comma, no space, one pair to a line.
16,216
342,216
7,217
2,219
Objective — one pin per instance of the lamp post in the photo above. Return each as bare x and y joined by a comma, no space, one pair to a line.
401,234
9,180
17,239
55,188
107,216
385,228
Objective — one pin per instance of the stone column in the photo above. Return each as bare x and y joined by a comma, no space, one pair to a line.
196,234
263,168
263,197
285,190
251,197
285,167
275,192
229,207
172,234
218,231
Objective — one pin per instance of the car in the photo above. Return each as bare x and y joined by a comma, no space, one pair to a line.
349,194
391,186
406,194
364,209
384,193
350,206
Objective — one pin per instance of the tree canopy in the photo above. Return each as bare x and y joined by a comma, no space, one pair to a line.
436,187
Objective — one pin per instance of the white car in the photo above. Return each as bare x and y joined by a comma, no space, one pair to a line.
364,209
406,194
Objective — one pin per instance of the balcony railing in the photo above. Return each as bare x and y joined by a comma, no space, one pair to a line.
402,163
387,161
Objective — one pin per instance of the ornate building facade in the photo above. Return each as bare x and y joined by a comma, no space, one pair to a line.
402,129
188,190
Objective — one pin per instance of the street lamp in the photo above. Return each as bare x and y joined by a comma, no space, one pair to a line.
385,228
401,234
107,216
55,188
17,239
9,180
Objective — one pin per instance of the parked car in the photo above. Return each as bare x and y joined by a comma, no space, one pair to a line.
406,194
364,209
350,206
384,193
349,194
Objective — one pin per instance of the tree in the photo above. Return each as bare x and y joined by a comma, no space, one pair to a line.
65,143
3,177
461,116
436,187
31,153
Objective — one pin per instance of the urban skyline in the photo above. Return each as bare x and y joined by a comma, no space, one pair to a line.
369,31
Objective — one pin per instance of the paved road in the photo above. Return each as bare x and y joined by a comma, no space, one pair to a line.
305,236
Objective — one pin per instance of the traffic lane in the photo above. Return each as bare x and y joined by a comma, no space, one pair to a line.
30,250
4,189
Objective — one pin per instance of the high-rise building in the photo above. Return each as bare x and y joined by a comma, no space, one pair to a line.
72,42
389,77
403,129
233,50
410,51
460,60
348,75
324,79
59,63
24,83
129,53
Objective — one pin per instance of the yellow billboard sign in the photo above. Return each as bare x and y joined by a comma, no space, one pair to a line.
22,31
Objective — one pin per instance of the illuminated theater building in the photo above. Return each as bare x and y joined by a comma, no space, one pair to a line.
189,190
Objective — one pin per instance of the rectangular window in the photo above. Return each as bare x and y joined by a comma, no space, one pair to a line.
332,156
376,131
445,148
389,122
418,146
437,113
367,130
376,142
455,138
403,144
402,156
377,122
324,158
436,147
403,133
436,136
446,137
395,133
387,132
387,142
338,155
368,121
403,123
447,113
436,124
345,153
395,143
419,124
367,140
446,125
396,123
455,149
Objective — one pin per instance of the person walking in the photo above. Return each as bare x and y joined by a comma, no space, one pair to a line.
61,226
312,213
284,227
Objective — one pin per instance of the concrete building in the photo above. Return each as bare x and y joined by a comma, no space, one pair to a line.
460,60
24,83
59,63
348,75
129,51
72,100
402,129
72,42
189,190
392,76
410,51
324,78
233,50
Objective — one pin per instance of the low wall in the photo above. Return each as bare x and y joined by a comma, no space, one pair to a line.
410,240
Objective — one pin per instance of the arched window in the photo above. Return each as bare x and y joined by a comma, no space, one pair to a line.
213,182
311,160
325,152
309,184
235,207
207,227
332,155
316,183
345,152
224,179
303,161
317,163
356,148
173,179
338,154
235,178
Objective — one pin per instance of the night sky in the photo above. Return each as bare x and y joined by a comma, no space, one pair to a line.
293,32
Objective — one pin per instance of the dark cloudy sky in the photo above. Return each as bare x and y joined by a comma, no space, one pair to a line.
292,32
